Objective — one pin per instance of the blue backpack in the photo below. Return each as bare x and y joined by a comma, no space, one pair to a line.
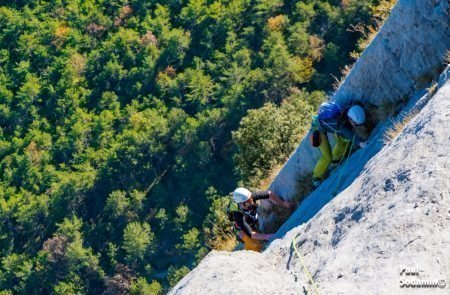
328,110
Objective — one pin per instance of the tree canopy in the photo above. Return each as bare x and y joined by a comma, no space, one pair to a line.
124,124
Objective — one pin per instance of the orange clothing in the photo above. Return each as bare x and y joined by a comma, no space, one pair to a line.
251,244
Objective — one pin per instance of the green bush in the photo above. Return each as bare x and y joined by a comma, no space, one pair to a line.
176,274
267,136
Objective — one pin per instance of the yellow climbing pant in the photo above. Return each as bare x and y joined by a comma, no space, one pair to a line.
251,244
339,151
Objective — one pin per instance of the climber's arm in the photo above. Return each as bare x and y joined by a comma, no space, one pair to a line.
254,234
261,236
274,198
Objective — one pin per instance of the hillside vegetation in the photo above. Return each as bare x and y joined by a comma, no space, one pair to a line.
116,122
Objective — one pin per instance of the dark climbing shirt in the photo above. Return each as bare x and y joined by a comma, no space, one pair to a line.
247,220
239,223
260,195
341,127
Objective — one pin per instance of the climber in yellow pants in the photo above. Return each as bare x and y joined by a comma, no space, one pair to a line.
328,156
341,122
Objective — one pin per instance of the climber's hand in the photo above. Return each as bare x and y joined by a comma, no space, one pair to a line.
289,205
268,237
363,144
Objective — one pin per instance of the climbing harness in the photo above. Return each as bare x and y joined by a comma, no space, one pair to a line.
294,245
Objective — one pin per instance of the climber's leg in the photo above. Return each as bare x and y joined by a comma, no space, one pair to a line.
325,160
251,244
340,149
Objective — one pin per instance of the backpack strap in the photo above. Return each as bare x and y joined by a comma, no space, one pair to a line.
315,123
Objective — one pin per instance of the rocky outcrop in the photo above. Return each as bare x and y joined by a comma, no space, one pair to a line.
394,216
241,272
386,210
403,58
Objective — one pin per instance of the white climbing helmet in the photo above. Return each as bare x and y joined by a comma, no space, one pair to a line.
241,195
357,114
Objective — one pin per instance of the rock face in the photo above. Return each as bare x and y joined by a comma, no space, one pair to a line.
406,54
225,273
390,214
394,216
408,49
396,213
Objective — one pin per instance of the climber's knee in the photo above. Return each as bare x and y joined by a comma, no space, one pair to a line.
340,148
252,244
325,159
325,148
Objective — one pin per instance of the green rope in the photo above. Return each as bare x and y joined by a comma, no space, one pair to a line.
294,244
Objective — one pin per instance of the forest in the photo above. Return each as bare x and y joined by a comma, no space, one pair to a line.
125,124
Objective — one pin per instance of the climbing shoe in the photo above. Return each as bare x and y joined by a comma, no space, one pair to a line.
333,165
316,182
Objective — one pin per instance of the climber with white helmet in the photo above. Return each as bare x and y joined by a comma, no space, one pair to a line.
343,123
245,215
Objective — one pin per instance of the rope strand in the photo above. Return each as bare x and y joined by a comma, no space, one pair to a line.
294,244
